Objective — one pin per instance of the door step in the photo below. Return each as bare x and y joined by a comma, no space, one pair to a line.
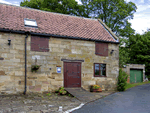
83,95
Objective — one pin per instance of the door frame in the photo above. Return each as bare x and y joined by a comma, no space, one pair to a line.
64,71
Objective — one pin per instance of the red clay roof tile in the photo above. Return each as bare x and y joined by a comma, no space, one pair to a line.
12,17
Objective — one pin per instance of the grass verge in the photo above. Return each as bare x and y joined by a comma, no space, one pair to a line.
135,84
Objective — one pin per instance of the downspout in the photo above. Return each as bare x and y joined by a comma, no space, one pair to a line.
25,64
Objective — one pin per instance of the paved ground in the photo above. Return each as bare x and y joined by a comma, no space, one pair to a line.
40,103
86,96
36,103
134,100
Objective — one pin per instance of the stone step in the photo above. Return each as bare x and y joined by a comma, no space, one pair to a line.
82,95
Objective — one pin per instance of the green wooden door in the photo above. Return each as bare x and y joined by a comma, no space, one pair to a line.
136,76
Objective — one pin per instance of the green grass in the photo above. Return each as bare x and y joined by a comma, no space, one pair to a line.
135,84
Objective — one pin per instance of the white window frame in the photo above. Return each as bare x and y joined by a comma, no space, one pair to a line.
30,23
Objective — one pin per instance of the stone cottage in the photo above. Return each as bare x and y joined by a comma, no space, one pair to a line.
72,51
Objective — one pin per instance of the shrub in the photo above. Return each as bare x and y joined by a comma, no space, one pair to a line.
122,80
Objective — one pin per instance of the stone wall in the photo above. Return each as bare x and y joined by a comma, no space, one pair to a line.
46,79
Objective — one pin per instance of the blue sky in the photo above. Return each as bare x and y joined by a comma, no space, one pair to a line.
140,22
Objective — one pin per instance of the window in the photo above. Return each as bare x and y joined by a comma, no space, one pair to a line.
101,49
99,70
30,23
40,44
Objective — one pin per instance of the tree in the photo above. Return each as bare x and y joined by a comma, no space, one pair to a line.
124,56
114,13
60,6
140,50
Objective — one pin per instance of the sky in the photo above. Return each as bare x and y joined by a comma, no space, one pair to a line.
140,23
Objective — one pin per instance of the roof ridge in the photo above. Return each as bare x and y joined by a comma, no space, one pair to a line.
47,11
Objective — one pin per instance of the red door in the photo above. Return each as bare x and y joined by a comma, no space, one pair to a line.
72,74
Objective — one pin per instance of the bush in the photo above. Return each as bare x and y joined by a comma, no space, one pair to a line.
122,80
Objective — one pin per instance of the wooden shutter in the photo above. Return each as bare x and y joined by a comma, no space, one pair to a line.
97,48
40,44
101,49
44,44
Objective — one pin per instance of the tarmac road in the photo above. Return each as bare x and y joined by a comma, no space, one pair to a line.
134,100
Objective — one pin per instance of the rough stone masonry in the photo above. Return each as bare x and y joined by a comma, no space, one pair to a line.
46,79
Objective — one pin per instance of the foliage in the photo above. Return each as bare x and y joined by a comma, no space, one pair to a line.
122,80
35,67
96,86
61,91
60,6
114,13
48,94
124,56
140,50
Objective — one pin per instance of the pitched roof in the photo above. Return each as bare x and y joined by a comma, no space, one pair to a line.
12,17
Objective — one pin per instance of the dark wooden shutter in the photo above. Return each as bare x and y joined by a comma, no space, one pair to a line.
101,49
35,43
44,44
40,44
97,48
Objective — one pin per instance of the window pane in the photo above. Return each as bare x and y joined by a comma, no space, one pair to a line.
30,22
103,69
97,69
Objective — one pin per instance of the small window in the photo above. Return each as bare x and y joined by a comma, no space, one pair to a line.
40,44
101,49
30,23
99,70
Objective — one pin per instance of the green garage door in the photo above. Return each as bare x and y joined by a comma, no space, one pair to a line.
136,75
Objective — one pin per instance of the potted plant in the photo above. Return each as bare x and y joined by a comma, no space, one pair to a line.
95,88
35,67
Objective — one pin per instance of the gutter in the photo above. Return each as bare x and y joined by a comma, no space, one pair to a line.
58,36
25,90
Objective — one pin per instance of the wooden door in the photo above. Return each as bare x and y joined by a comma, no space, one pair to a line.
136,76
72,74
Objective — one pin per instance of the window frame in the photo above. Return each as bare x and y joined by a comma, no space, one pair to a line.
26,20
99,70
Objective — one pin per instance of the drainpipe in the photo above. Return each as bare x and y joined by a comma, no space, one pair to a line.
25,64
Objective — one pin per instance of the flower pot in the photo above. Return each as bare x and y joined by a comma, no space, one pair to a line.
97,90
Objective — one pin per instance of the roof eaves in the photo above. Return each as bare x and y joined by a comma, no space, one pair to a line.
109,31
53,35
